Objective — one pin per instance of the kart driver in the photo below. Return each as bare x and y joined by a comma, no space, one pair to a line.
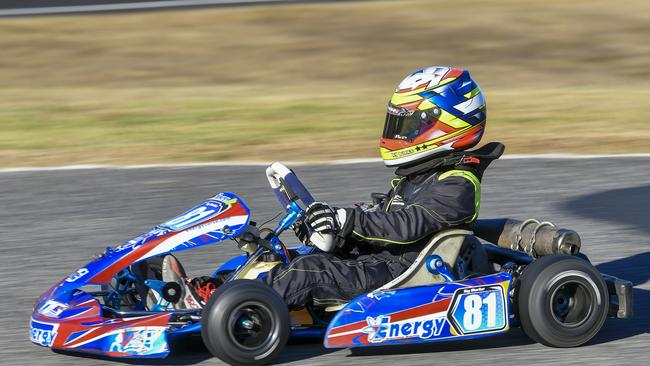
435,114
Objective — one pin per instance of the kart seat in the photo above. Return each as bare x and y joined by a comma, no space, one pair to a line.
447,244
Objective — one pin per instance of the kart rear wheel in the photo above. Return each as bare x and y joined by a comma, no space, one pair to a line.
562,301
245,322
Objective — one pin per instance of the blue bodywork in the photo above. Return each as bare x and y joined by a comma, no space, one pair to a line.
452,310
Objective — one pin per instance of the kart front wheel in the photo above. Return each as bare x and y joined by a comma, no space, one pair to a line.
245,322
562,301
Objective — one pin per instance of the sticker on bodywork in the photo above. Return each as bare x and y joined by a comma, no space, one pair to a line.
381,329
202,212
205,211
139,342
42,333
478,310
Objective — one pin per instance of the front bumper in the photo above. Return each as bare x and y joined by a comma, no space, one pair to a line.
142,337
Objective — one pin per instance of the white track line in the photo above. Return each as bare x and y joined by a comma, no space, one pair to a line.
298,163
126,6
573,156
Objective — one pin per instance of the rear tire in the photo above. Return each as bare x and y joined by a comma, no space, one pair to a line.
562,301
245,322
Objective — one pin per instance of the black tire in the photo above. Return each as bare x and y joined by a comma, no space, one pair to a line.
245,322
562,301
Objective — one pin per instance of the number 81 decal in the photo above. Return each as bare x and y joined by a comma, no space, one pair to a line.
479,310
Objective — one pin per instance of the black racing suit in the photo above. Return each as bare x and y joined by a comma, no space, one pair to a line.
382,242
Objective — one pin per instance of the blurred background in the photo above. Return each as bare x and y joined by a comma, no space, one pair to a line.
310,80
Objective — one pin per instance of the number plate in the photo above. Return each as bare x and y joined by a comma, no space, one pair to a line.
479,310
203,212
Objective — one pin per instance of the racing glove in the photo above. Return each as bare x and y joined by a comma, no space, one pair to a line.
301,231
325,223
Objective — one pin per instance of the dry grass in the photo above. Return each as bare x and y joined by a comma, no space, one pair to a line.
310,82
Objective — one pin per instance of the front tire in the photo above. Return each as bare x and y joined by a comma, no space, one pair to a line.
245,322
562,301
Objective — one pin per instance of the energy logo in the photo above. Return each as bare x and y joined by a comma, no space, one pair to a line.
376,328
42,333
381,329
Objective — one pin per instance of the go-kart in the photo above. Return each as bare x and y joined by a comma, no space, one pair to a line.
524,273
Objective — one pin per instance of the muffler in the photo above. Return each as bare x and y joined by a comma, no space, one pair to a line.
534,237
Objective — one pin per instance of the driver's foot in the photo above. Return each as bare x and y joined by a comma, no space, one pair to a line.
172,271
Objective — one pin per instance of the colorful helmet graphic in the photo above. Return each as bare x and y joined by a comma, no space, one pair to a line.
434,111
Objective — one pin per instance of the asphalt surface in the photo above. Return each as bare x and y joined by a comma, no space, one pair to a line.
52,222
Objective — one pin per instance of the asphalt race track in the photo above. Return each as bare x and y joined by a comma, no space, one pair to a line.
52,222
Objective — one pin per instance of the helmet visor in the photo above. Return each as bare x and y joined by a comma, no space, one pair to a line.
403,124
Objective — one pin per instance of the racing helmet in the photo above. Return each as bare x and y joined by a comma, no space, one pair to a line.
433,112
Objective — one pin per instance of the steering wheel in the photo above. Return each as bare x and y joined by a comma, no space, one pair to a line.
288,190
286,185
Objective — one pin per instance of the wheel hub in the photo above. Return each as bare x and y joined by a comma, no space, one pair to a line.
251,326
571,303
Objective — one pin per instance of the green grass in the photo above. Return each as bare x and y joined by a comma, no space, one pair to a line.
140,127
310,82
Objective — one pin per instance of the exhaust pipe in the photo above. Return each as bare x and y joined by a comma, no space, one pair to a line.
530,236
